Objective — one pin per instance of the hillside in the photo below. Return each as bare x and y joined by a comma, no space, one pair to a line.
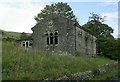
14,35
28,64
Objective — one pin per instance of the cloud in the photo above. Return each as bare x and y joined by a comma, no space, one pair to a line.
19,18
112,21
111,15
107,3
18,15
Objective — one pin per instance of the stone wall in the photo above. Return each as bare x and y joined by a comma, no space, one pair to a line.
71,38
85,42
51,24
88,75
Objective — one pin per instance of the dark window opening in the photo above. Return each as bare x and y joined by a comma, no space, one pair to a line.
51,38
56,33
56,38
27,44
23,44
30,44
47,40
51,34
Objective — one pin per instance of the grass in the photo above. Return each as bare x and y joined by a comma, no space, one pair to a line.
107,74
28,64
15,35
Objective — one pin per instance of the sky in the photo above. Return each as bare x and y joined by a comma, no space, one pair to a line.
18,15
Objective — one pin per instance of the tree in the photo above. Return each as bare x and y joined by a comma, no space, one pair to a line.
60,8
96,17
106,45
96,26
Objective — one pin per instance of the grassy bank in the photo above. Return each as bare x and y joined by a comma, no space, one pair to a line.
20,63
14,35
104,76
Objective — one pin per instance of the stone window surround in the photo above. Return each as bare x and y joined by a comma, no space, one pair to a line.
25,43
53,38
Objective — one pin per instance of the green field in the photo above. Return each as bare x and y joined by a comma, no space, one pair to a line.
14,35
28,64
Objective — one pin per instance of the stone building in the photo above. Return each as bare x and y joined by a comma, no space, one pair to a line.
61,35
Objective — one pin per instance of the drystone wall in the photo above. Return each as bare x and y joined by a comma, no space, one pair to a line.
88,75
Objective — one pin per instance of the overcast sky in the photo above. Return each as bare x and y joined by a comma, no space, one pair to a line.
18,15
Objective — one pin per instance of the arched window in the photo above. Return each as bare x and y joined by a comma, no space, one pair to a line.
51,38
56,38
25,44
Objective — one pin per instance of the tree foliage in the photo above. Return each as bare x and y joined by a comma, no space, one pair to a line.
107,45
96,26
60,8
23,36
96,17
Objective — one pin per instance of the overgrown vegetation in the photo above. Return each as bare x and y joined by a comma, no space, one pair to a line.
111,75
22,63
13,36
